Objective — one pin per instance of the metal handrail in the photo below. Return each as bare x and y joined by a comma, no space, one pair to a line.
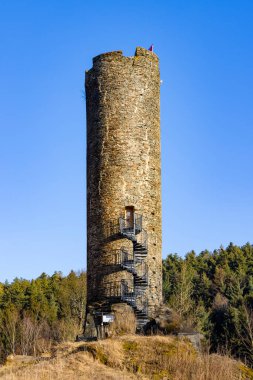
127,293
112,228
137,266
126,256
121,226
117,288
127,227
127,260
145,307
142,269
142,238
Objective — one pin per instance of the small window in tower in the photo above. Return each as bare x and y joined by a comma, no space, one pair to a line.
129,216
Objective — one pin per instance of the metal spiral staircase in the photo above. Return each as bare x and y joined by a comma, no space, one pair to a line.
134,263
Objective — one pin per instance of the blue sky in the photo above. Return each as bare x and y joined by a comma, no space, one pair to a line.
206,60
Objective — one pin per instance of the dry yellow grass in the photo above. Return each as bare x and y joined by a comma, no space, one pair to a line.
127,357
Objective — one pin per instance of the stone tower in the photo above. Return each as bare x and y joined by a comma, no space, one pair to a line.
124,262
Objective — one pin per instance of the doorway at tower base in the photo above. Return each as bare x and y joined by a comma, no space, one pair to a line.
104,323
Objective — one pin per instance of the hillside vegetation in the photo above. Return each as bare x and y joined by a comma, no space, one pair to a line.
126,357
211,293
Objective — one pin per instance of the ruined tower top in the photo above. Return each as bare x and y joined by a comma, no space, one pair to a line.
118,55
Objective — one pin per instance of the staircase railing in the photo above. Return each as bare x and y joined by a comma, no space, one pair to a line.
126,256
128,294
112,228
142,269
128,226
112,289
123,225
127,260
133,262
142,238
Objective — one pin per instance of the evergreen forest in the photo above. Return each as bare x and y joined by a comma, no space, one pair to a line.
36,314
212,293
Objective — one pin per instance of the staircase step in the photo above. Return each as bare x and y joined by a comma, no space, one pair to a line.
141,289
129,269
140,282
142,321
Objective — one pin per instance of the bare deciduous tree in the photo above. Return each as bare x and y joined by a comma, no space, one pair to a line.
9,328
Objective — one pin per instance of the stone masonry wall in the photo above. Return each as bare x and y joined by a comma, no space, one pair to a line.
123,162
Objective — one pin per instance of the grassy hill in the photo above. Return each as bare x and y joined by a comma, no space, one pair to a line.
125,357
